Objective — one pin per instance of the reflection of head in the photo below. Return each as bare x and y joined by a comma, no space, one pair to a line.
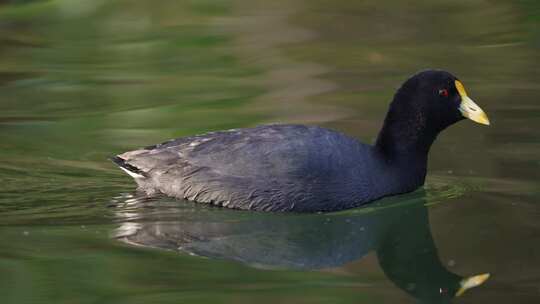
399,234
409,258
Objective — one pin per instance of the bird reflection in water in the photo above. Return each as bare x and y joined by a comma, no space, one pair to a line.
399,234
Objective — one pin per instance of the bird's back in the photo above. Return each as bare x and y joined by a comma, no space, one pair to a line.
273,167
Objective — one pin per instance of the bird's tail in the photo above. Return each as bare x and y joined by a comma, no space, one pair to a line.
128,168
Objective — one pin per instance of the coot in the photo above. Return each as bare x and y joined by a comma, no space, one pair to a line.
300,168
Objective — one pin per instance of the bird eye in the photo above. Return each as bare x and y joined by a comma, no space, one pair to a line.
443,92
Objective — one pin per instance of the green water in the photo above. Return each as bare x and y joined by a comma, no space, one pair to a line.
83,80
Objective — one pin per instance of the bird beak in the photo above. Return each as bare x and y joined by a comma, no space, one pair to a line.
469,108
470,282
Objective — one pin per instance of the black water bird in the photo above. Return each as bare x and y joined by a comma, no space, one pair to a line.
398,232
306,168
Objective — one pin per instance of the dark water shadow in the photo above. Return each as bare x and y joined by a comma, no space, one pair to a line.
397,231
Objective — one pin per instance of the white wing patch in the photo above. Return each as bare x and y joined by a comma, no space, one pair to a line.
132,174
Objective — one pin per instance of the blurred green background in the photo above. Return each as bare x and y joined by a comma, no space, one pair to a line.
83,80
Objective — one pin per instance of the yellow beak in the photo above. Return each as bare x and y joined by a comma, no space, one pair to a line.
469,108
471,282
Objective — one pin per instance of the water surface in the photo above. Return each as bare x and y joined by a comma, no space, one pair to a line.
83,80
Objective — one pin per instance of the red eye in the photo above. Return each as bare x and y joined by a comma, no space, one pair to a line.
443,92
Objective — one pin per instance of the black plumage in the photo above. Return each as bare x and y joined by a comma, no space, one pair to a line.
306,168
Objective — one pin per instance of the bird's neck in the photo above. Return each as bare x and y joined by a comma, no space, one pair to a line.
405,135
401,141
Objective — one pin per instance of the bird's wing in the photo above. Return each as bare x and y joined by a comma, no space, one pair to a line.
271,165
272,150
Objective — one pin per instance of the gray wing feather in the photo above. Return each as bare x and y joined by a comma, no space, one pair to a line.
270,168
